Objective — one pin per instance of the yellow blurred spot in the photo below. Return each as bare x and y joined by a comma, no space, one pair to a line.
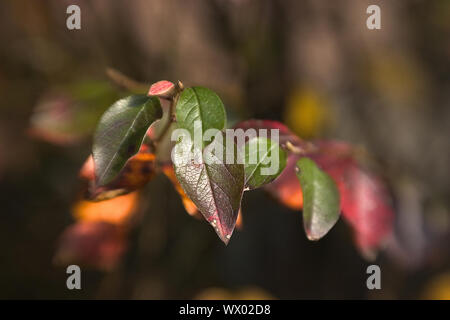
247,293
214,294
306,113
253,293
116,210
397,78
438,288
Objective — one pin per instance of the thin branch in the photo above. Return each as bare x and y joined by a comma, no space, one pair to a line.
126,82
300,150
295,150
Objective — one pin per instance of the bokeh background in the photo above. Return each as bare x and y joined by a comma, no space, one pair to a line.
311,64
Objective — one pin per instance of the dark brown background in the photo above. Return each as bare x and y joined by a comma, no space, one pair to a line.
387,90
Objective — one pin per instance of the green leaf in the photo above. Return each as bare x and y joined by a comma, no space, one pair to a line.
264,161
215,187
202,105
321,206
120,133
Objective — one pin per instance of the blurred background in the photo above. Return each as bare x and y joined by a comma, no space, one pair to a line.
311,64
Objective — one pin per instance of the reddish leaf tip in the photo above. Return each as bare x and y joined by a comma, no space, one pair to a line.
312,237
223,231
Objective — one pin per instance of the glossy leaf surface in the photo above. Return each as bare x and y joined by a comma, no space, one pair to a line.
120,133
202,106
264,160
321,206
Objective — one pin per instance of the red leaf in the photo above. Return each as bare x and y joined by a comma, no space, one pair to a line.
94,244
87,171
51,120
365,202
285,134
365,206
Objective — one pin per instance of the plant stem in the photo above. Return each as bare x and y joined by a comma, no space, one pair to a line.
126,82
166,124
171,118
295,149
291,148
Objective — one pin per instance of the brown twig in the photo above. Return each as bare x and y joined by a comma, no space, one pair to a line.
126,82
295,150
300,150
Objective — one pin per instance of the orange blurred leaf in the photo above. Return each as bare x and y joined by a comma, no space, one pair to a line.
117,210
138,171
286,188
190,207
239,221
